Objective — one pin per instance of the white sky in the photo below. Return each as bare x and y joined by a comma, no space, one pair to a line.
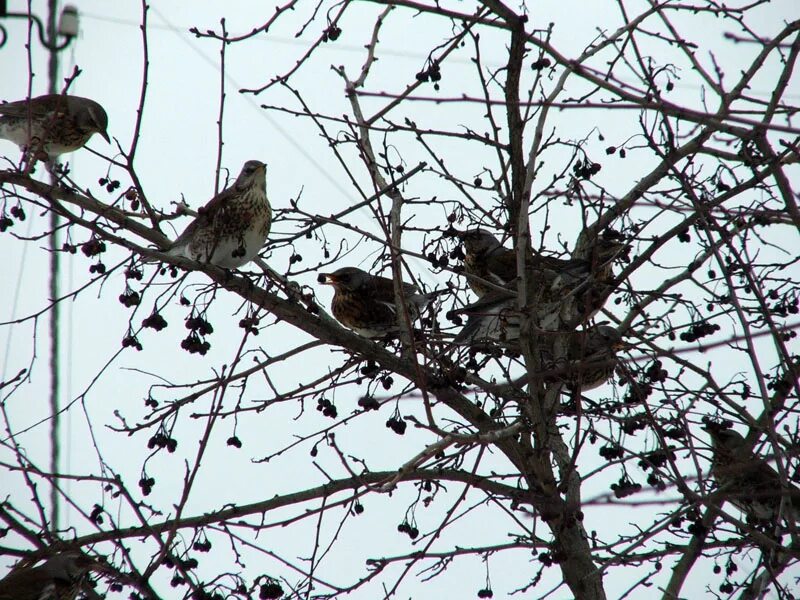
176,158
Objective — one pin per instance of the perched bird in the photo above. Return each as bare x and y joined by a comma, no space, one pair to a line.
591,358
52,124
60,577
587,278
748,481
365,303
230,230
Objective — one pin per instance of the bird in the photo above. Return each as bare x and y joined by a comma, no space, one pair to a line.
591,358
230,230
365,303
591,353
52,124
748,481
586,278
60,577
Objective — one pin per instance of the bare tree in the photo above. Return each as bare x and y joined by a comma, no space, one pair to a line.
495,456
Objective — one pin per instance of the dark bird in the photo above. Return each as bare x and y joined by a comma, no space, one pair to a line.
230,230
587,279
365,303
748,481
60,577
591,353
53,124
591,358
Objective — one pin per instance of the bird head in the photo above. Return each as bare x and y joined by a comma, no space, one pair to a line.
606,337
726,440
90,117
253,173
347,278
478,241
71,566
611,246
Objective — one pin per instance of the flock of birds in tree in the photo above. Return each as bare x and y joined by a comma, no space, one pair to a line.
232,228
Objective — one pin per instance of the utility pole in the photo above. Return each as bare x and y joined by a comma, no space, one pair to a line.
65,27
55,265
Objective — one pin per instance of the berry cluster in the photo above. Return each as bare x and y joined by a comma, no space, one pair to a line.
131,341
110,184
655,373
270,590
625,487
611,452
250,325
155,321
194,342
699,330
586,169
93,247
396,424
16,212
432,73
327,408
146,484
133,197
161,440
130,298
368,403
331,34
410,530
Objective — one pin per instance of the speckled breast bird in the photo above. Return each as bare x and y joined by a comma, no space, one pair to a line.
365,303
230,230
60,577
749,482
54,124
591,358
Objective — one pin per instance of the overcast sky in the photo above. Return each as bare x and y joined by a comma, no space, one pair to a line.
176,159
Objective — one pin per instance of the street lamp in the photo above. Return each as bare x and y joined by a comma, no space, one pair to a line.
67,26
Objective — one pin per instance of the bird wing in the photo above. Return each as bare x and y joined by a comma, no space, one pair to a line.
45,105
383,290
501,265
205,216
24,584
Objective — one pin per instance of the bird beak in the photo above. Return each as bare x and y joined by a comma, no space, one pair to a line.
326,278
105,136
